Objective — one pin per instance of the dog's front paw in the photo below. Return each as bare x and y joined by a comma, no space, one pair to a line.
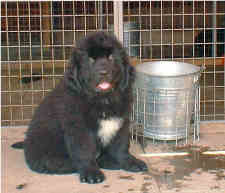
91,176
135,165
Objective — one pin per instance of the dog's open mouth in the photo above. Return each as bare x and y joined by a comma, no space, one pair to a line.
104,86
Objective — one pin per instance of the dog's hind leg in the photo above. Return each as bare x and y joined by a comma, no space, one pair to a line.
51,165
49,159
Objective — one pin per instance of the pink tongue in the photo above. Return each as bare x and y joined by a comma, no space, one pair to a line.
104,85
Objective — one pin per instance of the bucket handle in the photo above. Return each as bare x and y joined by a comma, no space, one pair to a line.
197,80
202,68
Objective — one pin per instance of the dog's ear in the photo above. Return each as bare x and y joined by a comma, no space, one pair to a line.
128,77
128,73
78,59
72,75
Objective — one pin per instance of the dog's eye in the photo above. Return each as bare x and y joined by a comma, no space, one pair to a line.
110,57
91,60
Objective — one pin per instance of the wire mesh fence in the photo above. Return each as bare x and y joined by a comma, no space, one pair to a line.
37,39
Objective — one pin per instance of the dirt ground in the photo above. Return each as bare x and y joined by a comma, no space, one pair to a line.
193,173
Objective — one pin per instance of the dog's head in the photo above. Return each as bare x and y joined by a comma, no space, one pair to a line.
100,65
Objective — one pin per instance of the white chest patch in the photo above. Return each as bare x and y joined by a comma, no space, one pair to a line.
108,129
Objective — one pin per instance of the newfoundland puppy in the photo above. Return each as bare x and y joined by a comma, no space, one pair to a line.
83,124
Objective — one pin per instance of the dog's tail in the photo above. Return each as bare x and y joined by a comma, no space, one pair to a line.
18,145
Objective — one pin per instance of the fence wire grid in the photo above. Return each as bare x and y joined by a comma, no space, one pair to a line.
37,38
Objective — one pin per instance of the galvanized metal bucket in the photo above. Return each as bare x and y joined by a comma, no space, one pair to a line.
166,97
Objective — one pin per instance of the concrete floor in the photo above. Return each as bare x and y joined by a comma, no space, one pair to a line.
185,174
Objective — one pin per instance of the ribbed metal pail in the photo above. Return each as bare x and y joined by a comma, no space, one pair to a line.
165,95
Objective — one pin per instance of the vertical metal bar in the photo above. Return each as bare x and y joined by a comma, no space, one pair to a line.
85,17
187,121
118,19
8,64
97,16
214,29
161,29
19,58
150,25
41,45
193,31
183,43
154,116
139,28
144,110
107,18
172,42
137,106
63,37
204,78
214,58
74,22
198,112
31,54
51,43
100,15
1,57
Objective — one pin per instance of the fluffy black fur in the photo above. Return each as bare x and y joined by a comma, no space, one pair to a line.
68,132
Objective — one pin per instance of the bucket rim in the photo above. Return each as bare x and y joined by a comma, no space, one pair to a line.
197,71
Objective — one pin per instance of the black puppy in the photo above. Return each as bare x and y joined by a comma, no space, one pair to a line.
83,124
